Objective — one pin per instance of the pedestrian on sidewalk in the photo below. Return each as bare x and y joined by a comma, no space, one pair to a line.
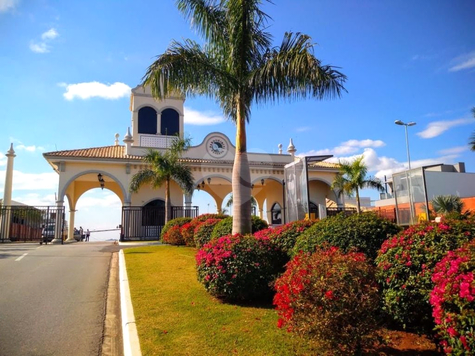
87,234
81,233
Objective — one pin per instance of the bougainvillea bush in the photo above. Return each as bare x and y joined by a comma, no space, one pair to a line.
239,268
173,236
405,264
332,298
202,233
365,232
285,236
225,226
173,222
188,231
453,301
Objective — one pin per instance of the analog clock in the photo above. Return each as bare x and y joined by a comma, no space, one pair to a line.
216,147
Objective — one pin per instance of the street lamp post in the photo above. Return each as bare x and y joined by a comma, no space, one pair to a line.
409,190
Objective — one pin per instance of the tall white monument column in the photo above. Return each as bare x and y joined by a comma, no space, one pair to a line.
7,197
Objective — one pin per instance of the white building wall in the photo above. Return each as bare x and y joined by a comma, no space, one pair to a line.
449,183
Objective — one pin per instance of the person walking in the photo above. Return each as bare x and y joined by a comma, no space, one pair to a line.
81,233
87,234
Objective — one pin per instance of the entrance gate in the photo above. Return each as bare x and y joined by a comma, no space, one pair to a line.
141,223
26,223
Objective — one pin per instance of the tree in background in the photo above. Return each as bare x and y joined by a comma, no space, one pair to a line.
352,177
238,67
472,138
446,204
164,167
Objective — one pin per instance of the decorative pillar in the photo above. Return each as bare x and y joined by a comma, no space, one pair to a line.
291,148
72,214
128,141
58,224
7,197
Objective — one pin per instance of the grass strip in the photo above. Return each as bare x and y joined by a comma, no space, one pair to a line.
176,316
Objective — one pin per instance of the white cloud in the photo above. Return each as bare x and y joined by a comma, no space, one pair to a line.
42,46
454,150
32,181
96,90
193,117
106,200
303,129
465,61
436,128
346,148
39,47
6,5
31,148
51,34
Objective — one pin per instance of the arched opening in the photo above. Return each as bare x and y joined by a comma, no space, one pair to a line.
170,122
147,121
153,213
276,214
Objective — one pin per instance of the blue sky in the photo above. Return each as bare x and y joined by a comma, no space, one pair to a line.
66,68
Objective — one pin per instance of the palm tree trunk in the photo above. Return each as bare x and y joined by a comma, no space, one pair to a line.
168,204
241,182
358,206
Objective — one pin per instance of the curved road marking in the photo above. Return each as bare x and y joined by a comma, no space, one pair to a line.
19,258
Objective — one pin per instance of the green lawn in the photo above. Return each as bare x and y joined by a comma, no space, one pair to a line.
176,316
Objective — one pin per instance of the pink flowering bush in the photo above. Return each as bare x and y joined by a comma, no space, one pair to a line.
405,263
203,231
171,223
330,297
453,301
173,236
285,236
188,231
239,268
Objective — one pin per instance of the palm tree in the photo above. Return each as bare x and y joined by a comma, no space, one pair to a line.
165,166
352,177
230,201
472,137
445,204
238,68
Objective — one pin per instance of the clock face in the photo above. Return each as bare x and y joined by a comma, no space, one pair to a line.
216,147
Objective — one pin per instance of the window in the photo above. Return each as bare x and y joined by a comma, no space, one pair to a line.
170,122
147,120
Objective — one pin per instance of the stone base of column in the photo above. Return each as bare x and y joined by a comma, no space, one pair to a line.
70,241
6,241
56,241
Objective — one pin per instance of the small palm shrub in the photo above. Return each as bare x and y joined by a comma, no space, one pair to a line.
173,236
453,299
239,268
405,264
225,226
173,222
445,204
365,232
331,298
202,233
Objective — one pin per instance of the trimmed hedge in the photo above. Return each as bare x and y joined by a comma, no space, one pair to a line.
364,232
225,226
173,222
202,233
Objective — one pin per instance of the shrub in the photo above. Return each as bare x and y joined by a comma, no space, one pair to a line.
188,231
204,217
452,300
202,233
405,263
330,297
173,222
173,236
225,226
239,268
286,235
365,232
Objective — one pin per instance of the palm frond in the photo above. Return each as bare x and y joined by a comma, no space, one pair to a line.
444,204
145,176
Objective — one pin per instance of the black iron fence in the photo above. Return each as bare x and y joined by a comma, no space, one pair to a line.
26,223
146,223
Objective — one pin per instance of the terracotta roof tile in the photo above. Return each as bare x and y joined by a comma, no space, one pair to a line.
107,152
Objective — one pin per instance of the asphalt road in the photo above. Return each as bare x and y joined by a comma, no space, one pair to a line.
53,298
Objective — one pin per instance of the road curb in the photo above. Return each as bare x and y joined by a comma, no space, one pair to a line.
129,328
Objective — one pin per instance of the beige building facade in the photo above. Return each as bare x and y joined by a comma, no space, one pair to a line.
155,124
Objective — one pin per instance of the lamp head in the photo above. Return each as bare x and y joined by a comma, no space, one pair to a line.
399,122
412,123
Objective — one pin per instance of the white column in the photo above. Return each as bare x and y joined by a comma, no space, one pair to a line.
7,196
58,225
72,214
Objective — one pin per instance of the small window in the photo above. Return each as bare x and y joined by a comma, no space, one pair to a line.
148,120
170,122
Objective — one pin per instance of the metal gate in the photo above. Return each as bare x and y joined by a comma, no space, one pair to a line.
26,223
141,223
